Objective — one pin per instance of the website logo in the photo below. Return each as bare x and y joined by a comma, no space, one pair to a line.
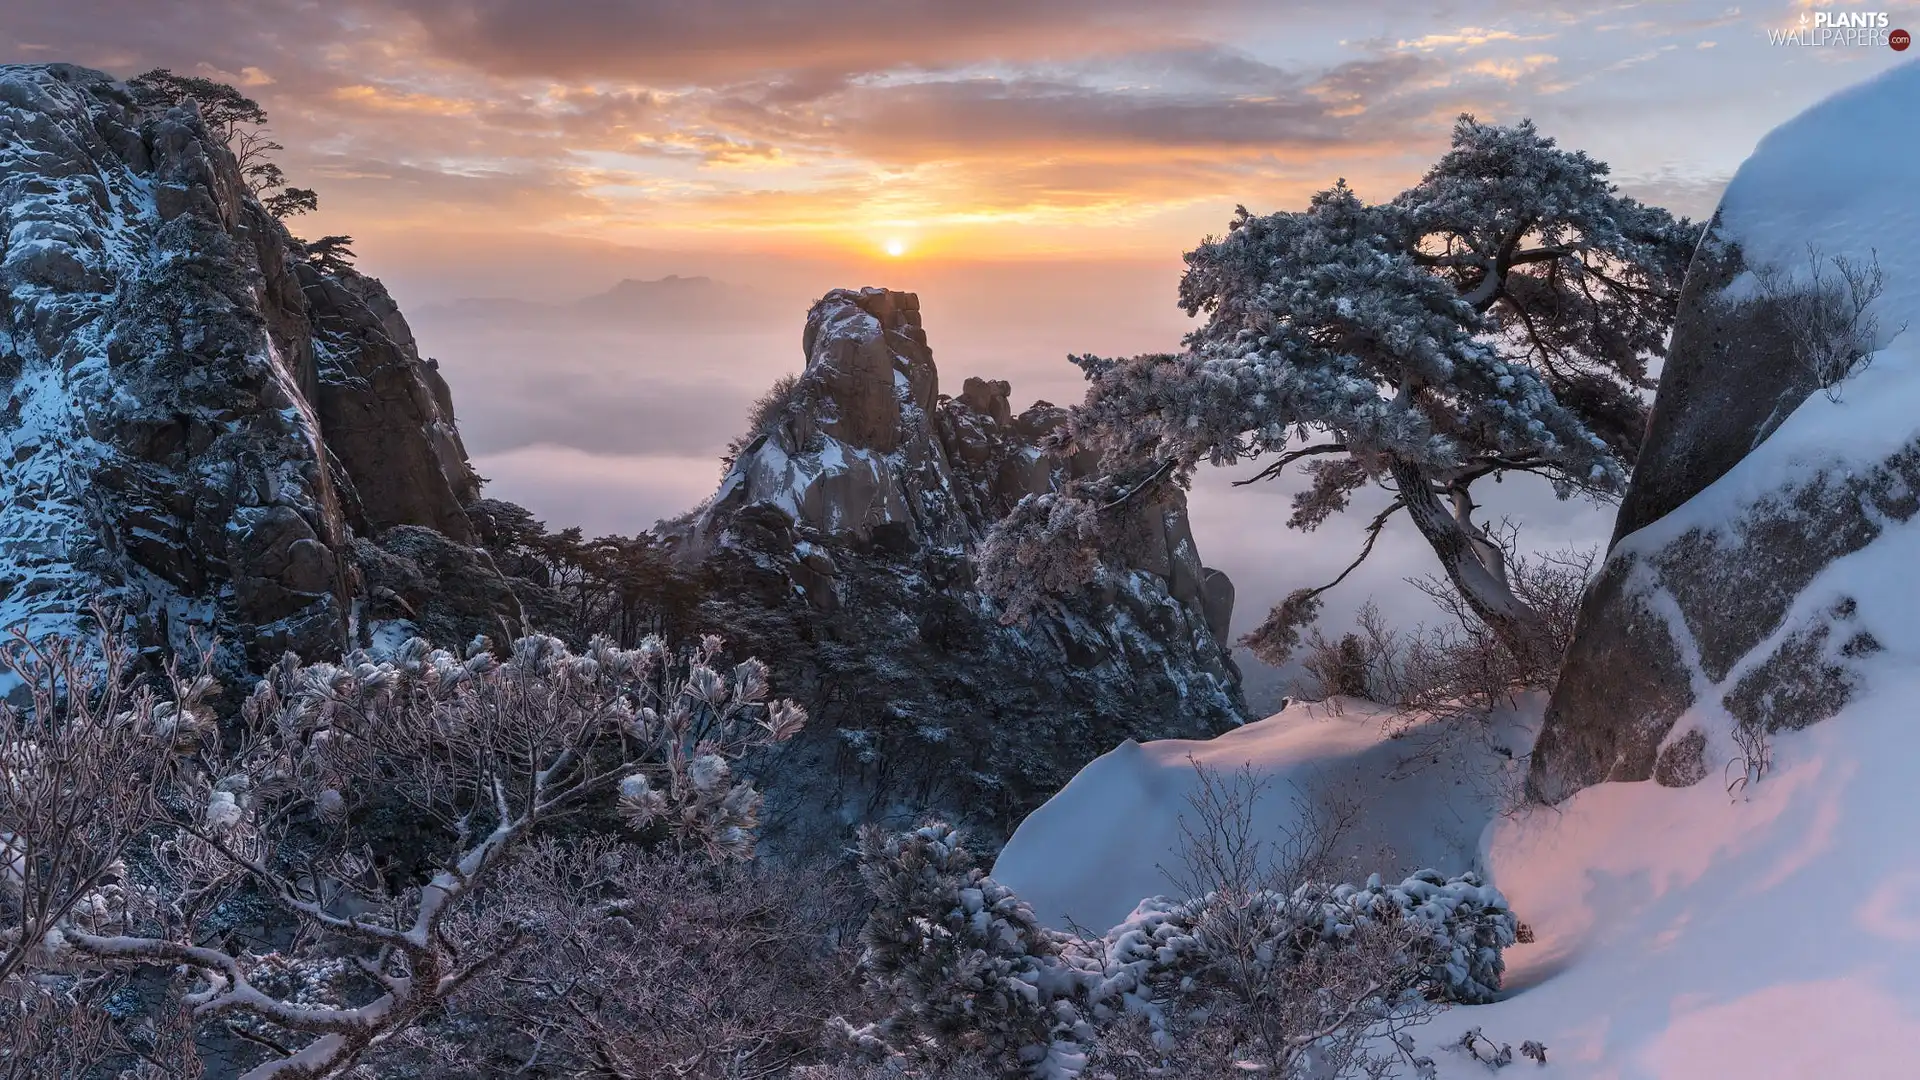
1841,29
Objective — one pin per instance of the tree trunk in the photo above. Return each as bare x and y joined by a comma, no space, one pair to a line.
1485,592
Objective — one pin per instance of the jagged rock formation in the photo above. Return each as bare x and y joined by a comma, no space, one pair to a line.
840,540
227,441
194,421
1708,617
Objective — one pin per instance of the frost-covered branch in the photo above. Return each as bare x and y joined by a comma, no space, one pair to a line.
1826,313
80,766
491,749
1278,635
1260,967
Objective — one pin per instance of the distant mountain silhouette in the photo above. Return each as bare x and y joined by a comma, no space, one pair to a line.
690,303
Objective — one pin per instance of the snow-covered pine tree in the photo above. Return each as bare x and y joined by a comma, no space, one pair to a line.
1497,317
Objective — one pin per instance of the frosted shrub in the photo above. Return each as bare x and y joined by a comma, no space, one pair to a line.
969,968
468,757
1826,314
1459,926
1457,669
646,964
768,411
1262,969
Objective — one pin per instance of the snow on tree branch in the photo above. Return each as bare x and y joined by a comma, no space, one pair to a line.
1499,316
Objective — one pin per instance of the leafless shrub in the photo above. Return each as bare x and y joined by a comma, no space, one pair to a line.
1444,681
1484,1050
1753,760
1457,669
1824,314
491,751
1370,662
53,1030
81,768
650,965
1462,665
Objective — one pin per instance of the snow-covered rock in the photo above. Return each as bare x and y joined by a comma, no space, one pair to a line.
841,541
1756,923
1732,597
193,420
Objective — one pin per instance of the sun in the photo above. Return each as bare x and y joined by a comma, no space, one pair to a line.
895,247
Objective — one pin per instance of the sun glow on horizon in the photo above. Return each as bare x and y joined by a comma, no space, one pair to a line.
895,247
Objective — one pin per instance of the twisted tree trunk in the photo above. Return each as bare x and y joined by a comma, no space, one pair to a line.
1472,563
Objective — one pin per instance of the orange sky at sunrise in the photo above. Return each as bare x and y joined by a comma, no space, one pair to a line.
1039,166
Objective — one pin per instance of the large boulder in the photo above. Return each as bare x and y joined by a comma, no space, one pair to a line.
1725,605
855,450
386,413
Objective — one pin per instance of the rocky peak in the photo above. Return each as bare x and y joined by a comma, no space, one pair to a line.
194,421
844,534
867,442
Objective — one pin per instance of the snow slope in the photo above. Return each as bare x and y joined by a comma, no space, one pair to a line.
1679,933
1113,834
1768,934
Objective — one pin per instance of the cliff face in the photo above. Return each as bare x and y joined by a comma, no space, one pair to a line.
1731,604
193,421
840,542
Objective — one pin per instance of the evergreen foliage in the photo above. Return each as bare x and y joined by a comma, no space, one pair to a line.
240,123
625,587
1498,317
966,971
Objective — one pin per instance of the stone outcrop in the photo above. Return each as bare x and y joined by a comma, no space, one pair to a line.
194,422
1704,619
839,546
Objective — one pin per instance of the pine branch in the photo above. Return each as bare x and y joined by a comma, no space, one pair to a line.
1273,469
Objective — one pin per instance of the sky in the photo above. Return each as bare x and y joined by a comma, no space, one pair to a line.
1033,168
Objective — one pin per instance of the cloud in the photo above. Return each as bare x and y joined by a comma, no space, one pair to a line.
993,125
1638,58
1470,37
804,45
599,387
1684,193
1512,70
601,493
977,117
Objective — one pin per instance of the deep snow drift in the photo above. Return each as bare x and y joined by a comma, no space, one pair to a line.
1113,834
1680,933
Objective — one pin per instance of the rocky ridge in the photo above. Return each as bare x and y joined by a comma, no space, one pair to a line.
226,441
